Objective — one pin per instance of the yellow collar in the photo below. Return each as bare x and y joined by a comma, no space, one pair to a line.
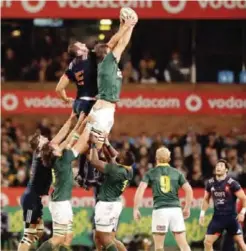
162,164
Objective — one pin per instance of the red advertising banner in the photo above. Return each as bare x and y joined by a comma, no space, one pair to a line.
132,102
83,198
183,9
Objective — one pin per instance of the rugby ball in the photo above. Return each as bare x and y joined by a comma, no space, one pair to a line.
126,12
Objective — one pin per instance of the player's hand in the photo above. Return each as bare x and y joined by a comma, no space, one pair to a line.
202,220
69,100
130,21
136,215
240,217
93,138
186,213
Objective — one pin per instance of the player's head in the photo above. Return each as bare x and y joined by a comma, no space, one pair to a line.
125,158
221,168
101,50
37,141
49,153
163,155
78,50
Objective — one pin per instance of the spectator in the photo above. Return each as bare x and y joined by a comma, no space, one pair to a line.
44,128
130,75
235,168
31,72
195,177
179,164
173,72
11,66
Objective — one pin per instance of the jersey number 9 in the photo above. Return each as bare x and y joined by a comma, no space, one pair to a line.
125,183
165,184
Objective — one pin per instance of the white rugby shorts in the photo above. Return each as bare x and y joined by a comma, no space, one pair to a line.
102,119
61,212
165,218
107,215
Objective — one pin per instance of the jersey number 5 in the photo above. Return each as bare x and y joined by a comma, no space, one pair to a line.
125,183
80,77
165,184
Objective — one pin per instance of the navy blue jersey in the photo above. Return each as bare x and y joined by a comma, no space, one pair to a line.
223,194
84,74
41,176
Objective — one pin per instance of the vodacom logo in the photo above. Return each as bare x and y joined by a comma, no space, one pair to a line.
9,102
193,103
174,7
33,6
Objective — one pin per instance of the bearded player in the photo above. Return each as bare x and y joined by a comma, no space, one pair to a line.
165,182
224,192
101,117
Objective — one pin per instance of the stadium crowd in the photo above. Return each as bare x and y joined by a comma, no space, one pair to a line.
193,154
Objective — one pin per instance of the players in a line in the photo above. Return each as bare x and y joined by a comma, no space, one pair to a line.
117,175
37,187
165,182
224,191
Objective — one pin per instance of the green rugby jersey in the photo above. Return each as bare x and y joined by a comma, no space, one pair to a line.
115,182
165,182
109,79
63,177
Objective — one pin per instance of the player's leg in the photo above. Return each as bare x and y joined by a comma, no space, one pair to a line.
177,226
62,216
209,241
68,239
31,215
234,229
160,224
104,213
120,246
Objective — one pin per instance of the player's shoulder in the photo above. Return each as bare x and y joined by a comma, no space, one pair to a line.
231,181
211,181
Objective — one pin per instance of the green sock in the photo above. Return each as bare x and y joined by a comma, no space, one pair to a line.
46,246
64,248
111,247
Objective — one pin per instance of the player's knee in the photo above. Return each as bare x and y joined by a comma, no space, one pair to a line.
105,239
57,240
68,239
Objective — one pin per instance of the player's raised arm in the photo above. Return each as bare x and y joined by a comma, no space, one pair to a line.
242,197
112,151
188,199
64,130
124,40
94,159
61,89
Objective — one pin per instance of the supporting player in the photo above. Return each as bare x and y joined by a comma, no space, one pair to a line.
101,117
165,182
37,187
224,192
108,208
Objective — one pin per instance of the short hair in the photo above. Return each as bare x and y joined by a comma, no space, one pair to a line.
163,154
129,158
47,155
224,162
100,50
34,140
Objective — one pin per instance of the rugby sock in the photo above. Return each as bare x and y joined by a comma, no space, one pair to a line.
46,246
64,248
111,247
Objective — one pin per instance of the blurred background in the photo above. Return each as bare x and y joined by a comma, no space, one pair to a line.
184,76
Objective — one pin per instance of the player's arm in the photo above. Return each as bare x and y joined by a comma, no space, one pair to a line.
112,151
94,159
139,196
204,206
124,40
61,89
117,36
188,199
64,130
242,197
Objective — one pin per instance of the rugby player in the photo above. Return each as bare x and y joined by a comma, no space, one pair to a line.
101,117
224,192
165,182
109,206
37,187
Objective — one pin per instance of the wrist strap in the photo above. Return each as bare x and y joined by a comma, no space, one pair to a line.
93,145
202,214
243,210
